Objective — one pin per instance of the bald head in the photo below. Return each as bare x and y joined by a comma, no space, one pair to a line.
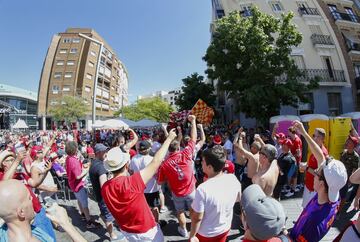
16,202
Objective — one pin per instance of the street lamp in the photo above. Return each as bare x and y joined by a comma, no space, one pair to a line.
96,75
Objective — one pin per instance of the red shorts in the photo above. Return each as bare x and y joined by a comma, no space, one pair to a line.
220,238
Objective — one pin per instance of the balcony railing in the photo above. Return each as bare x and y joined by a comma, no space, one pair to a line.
308,11
345,16
319,39
323,75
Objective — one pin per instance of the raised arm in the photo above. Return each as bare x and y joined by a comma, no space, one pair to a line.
193,134
133,142
37,177
202,135
314,148
10,173
149,171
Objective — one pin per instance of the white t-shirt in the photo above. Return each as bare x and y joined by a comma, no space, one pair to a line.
229,146
216,198
138,163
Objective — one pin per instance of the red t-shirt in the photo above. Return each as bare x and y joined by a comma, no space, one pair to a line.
90,150
132,153
274,239
297,145
74,169
312,163
24,178
125,199
178,170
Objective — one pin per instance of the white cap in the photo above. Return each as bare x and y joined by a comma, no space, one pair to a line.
116,159
336,178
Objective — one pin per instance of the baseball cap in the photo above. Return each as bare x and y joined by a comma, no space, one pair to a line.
100,148
264,215
287,142
116,159
269,151
34,150
336,178
144,145
353,139
280,136
4,154
217,139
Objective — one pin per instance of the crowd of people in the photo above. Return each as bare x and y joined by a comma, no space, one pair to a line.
208,171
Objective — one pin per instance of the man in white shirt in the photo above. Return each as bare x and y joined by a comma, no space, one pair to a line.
228,146
139,162
212,208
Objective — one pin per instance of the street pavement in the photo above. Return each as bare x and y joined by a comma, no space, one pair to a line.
292,208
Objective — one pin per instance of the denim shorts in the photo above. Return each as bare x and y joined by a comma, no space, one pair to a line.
82,197
183,203
104,212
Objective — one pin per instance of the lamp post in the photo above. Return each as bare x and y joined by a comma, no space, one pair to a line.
96,75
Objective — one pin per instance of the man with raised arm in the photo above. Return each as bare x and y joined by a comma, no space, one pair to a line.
124,194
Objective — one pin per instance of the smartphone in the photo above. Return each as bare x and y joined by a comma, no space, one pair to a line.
19,147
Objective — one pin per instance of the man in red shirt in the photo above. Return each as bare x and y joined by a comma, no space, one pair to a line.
296,150
311,166
178,171
124,194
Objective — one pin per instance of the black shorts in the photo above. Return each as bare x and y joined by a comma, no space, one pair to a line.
153,199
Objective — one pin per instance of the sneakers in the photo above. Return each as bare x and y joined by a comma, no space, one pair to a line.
163,209
297,189
92,225
289,194
183,232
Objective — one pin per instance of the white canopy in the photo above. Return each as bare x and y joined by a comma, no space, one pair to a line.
110,124
145,123
20,124
276,119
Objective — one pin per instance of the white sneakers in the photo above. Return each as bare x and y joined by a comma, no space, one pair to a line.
183,232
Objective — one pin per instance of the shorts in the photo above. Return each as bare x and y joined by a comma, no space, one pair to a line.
293,172
153,199
183,203
219,238
104,212
152,235
82,197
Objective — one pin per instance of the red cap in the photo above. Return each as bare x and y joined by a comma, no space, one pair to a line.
34,151
217,139
280,136
353,139
286,142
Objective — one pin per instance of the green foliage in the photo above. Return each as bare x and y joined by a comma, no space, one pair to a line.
71,110
193,89
151,108
250,58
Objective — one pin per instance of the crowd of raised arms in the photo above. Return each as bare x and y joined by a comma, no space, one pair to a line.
210,172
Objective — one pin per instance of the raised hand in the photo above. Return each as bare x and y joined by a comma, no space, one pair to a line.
172,134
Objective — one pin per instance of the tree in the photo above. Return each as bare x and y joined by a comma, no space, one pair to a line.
250,58
193,89
70,110
151,108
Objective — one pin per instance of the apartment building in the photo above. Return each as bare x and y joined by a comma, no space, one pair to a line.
168,96
344,18
71,65
319,55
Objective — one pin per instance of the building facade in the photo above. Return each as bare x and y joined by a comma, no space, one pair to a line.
344,18
319,55
71,65
168,96
15,104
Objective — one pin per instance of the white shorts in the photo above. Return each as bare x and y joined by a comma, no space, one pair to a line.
155,234
307,196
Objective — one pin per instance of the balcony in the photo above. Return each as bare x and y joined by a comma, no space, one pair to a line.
245,13
324,76
220,13
308,11
320,39
349,20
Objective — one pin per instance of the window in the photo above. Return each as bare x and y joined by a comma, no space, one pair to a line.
70,63
334,12
60,63
53,102
328,65
87,89
334,100
73,51
107,72
55,89
91,64
357,69
102,60
66,40
76,40
57,75
245,10
89,76
66,88
68,75
351,14
306,108
299,61
101,70
63,51
276,6
93,53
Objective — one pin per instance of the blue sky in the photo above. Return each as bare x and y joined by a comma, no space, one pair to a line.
159,41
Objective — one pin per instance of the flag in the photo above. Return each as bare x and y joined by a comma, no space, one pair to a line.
204,114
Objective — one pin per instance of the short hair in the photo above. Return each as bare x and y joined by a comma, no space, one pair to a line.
256,145
215,157
71,148
292,130
321,132
174,146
